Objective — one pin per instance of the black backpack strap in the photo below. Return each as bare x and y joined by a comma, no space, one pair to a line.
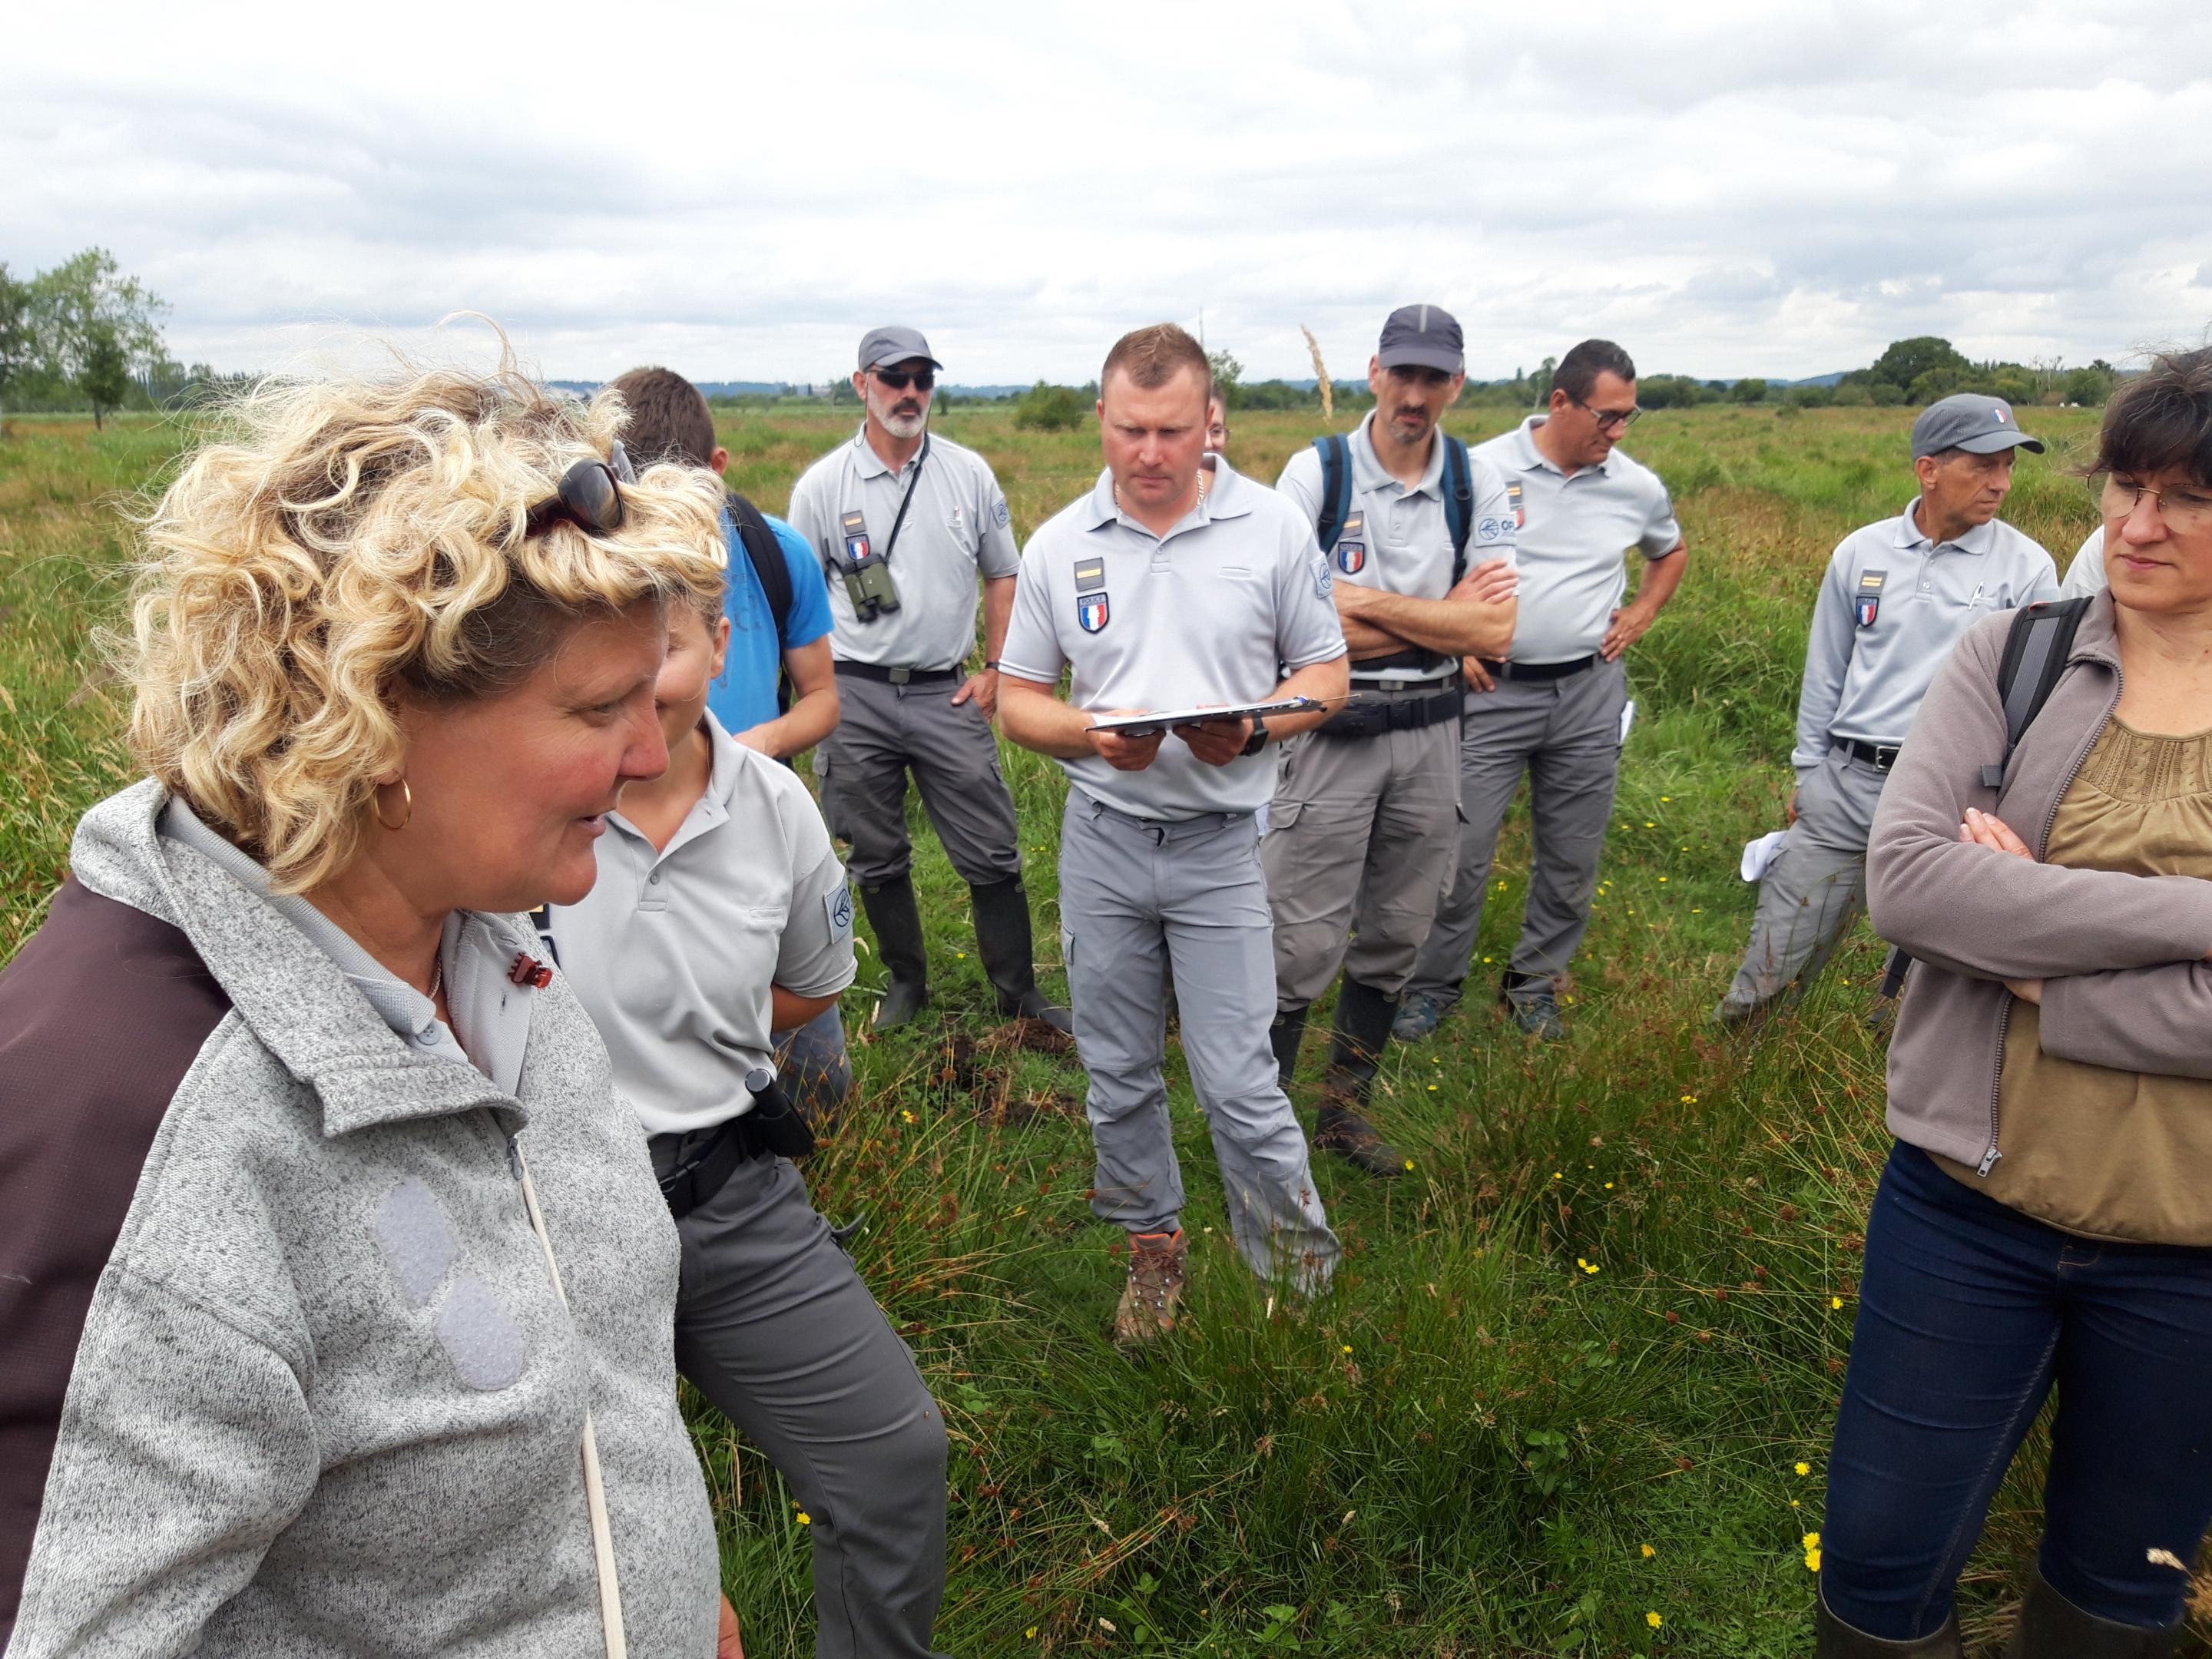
1459,502
1335,488
2036,648
770,567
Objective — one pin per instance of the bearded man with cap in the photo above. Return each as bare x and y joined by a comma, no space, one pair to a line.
1364,830
904,521
1898,594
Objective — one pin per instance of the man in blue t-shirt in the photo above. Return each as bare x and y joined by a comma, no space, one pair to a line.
669,420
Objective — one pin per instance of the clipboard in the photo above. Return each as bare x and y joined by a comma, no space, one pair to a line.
1164,720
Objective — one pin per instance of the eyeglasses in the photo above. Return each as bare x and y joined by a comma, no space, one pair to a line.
1620,419
590,498
2187,510
899,378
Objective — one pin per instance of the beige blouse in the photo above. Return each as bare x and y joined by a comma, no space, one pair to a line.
2110,1154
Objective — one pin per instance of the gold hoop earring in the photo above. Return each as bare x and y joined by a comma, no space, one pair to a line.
407,799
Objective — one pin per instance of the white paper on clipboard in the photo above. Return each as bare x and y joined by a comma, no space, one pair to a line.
1758,854
1627,720
1163,719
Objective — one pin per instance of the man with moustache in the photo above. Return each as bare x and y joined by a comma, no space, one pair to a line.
1364,830
1899,595
904,520
1169,586
1551,707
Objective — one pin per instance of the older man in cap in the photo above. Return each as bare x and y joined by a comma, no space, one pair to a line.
1898,596
1364,830
904,521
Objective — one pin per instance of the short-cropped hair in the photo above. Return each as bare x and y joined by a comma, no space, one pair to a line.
669,419
335,546
2161,421
1578,370
1152,357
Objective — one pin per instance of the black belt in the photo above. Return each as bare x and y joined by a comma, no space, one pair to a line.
1376,716
1537,671
770,1129
882,676
1433,682
1879,756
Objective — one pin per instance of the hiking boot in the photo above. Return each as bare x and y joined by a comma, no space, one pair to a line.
1834,1640
1420,1013
2053,1627
896,918
1154,1292
1534,1002
1339,1129
1003,940
1362,1032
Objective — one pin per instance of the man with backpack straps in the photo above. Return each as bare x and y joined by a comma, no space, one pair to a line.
1898,596
1364,829
778,690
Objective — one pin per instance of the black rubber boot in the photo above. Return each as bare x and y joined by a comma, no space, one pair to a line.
2053,1627
1834,1640
1004,941
896,918
1362,1032
1284,1037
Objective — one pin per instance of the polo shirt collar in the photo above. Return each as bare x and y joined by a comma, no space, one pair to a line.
869,464
712,810
1980,539
1531,458
1369,473
1229,496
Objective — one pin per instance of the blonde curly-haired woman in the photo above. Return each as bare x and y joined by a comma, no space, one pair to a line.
336,1284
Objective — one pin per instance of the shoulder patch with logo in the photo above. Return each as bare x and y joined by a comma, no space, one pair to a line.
1092,610
1867,604
1322,583
999,513
854,527
1352,544
1493,529
837,911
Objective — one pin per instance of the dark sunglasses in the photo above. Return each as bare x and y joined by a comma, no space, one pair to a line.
589,497
1619,419
898,379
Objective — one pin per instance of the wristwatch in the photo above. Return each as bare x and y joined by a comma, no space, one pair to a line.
1258,740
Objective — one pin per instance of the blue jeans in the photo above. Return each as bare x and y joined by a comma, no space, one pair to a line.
1969,1313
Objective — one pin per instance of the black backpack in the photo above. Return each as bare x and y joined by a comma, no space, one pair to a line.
2036,648
1336,494
772,570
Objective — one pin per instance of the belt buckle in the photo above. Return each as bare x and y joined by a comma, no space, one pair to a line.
901,676
1884,758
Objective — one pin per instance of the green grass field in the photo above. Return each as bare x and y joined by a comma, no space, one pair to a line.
1572,1391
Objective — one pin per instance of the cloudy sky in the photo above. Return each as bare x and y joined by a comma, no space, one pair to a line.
740,190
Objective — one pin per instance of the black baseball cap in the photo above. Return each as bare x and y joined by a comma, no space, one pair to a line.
1427,337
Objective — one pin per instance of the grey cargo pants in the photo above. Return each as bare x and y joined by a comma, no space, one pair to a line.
1565,735
885,732
1135,896
1813,889
1362,837
775,1326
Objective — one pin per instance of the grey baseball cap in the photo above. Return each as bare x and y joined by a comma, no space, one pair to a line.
1970,421
1426,336
895,345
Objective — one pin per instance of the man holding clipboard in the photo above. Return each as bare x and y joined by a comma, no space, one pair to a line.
1170,597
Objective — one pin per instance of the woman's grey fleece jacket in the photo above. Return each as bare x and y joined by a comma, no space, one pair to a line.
284,1371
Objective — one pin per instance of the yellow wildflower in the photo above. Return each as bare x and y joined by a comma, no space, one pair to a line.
1812,1560
1804,1468
1649,1552
1654,1620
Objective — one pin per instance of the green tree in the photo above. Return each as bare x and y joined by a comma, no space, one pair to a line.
19,342
86,306
1228,378
1540,383
1047,408
1905,361
105,374
1751,391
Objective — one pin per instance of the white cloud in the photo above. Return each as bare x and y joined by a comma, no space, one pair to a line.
1726,188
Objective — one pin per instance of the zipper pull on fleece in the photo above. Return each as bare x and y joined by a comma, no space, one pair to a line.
1988,1160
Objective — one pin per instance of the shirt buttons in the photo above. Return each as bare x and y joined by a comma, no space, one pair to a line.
654,878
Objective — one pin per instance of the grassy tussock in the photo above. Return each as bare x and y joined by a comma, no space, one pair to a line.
1609,1310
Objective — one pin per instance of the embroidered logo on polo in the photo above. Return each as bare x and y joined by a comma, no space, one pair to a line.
1324,584
473,1326
1352,544
1513,496
998,513
838,909
1092,611
1867,604
855,526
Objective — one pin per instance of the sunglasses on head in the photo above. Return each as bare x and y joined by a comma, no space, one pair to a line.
589,497
898,379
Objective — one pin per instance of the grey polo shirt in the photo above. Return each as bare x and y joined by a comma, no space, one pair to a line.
673,952
1210,613
1401,540
956,526
2086,576
1573,530
477,952
1891,607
